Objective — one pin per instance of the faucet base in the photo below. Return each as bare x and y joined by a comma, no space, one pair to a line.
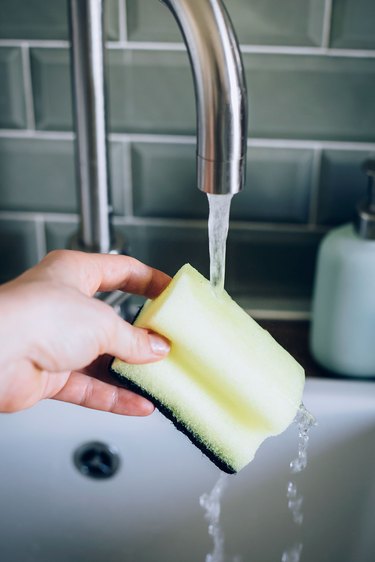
118,300
118,245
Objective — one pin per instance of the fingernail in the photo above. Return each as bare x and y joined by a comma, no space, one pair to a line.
159,345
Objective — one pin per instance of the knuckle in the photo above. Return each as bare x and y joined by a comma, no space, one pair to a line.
113,400
56,255
140,342
87,392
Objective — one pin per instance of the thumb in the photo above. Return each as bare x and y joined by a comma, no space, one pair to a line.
136,345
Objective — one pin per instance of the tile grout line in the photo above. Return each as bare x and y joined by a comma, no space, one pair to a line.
28,87
315,188
161,138
327,24
35,43
123,26
37,215
41,239
236,225
35,134
180,47
128,187
307,51
153,138
257,142
147,46
247,226
249,49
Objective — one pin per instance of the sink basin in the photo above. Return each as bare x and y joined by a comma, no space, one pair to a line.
149,510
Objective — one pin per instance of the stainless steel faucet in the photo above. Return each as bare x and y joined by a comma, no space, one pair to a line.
96,233
221,101
220,93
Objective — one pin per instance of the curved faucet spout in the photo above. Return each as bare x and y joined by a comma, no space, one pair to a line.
220,90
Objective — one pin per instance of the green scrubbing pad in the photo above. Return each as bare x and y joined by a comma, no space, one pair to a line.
226,382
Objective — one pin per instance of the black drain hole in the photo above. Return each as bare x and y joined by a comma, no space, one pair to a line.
97,460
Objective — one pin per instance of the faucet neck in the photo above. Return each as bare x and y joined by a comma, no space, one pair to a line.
220,91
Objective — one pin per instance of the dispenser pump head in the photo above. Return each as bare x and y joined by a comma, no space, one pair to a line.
365,219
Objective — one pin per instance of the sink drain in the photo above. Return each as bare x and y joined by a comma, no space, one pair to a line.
96,460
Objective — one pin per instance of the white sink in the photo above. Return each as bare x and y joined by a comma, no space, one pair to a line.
149,511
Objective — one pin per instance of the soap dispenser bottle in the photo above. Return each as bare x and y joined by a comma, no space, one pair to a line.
342,336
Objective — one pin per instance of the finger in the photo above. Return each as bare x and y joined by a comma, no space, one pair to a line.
95,394
133,344
105,272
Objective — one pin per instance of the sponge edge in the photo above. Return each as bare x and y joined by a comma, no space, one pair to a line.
226,383
169,414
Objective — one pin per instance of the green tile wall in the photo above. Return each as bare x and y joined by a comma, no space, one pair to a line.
296,22
49,164
343,184
38,19
258,263
311,78
158,87
58,233
278,187
164,180
18,247
148,91
278,184
275,266
353,24
314,97
12,102
51,167
52,89
34,19
305,97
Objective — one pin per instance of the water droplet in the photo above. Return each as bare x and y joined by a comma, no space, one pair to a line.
305,421
292,490
211,504
293,554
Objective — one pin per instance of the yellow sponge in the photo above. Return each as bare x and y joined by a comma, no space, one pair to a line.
226,382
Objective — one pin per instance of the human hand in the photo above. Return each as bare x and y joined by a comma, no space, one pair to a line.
56,339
